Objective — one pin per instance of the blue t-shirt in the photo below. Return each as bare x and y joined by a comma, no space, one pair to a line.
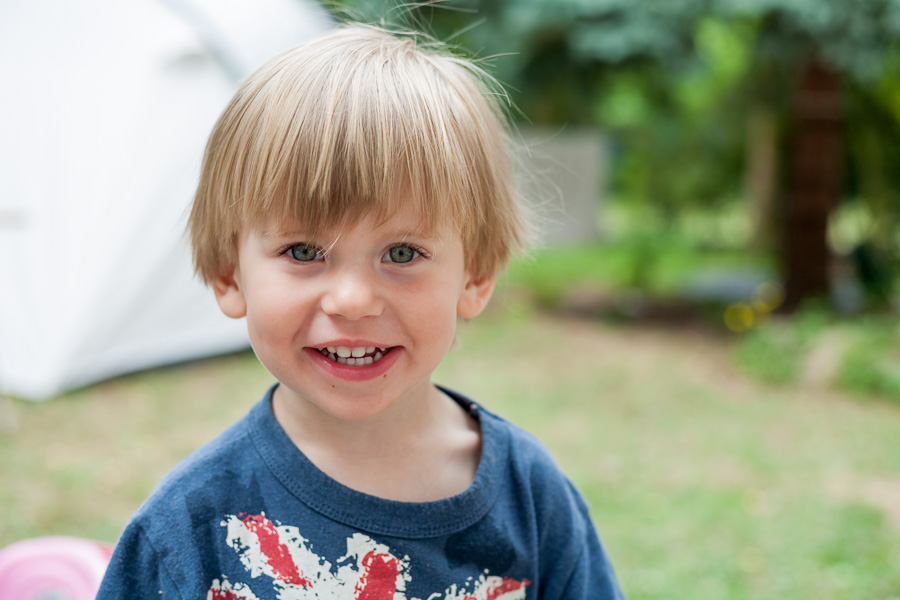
249,517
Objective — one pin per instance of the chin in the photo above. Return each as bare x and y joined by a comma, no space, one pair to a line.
342,402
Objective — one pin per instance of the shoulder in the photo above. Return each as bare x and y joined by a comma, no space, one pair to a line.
573,560
164,545
518,450
206,478
528,469
224,457
528,458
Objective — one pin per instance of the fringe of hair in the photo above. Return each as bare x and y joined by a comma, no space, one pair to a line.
361,122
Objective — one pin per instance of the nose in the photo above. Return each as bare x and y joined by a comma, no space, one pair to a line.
353,294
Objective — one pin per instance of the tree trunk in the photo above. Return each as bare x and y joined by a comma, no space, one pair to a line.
813,183
761,171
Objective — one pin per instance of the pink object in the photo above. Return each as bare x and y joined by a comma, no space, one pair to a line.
52,568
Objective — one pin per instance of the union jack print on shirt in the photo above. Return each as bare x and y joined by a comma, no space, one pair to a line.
368,571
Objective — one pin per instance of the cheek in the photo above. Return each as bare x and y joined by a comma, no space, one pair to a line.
273,324
271,311
432,306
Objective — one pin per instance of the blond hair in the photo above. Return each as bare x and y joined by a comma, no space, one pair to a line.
355,123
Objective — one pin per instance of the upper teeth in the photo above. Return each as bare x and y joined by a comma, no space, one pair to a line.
360,355
357,352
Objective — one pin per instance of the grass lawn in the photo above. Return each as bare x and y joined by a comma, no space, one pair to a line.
704,484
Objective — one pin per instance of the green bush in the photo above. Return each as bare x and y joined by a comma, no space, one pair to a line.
657,265
871,364
773,354
776,352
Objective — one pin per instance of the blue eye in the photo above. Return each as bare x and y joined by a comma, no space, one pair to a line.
304,252
400,254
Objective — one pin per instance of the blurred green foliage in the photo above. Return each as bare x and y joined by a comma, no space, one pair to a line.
654,265
861,355
870,363
678,84
776,352
616,279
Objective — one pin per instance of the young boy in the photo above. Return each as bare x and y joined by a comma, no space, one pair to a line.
355,200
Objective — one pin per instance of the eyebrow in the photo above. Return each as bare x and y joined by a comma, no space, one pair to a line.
402,234
273,234
421,234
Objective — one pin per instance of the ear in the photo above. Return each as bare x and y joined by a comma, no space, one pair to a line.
475,295
229,293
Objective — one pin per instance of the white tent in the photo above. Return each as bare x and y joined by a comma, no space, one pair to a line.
105,107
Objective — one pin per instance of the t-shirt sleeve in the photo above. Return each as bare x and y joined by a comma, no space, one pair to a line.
136,571
578,566
592,575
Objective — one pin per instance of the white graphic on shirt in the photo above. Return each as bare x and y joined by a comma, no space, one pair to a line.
368,571
225,589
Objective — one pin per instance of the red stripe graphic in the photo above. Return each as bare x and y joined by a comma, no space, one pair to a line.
379,576
218,594
277,554
379,580
505,586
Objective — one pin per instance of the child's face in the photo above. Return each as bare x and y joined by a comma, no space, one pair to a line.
382,291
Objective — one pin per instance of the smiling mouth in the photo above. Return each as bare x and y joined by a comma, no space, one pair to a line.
356,357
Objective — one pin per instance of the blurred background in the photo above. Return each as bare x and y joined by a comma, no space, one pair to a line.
706,336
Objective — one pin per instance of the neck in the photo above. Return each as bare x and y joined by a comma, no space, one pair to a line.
419,449
313,429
